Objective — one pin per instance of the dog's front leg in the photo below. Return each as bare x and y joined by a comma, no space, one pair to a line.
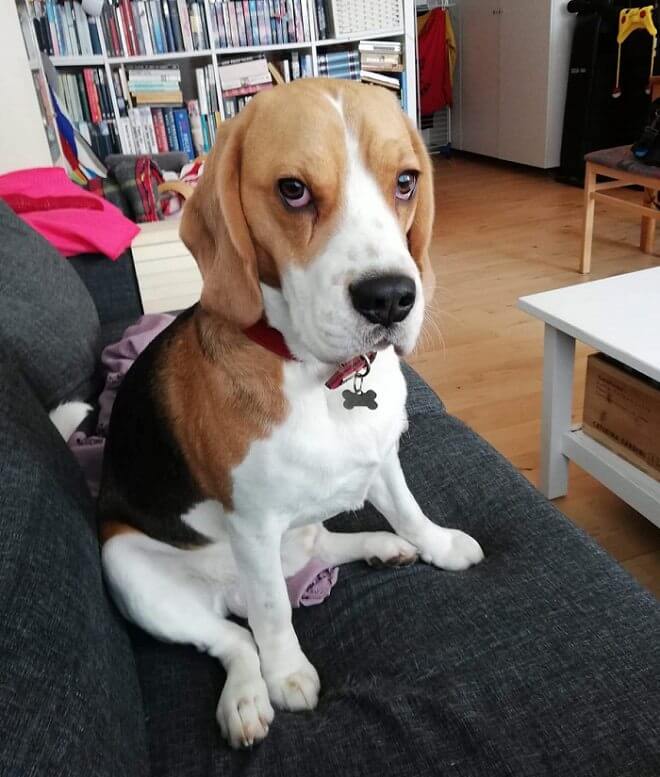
292,681
445,548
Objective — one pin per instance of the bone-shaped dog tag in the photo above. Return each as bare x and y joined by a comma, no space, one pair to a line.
359,399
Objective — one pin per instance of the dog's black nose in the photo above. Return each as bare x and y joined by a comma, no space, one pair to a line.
384,299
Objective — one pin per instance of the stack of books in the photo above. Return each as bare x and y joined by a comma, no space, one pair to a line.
380,63
157,85
240,80
343,63
237,23
63,29
153,118
148,27
88,103
382,56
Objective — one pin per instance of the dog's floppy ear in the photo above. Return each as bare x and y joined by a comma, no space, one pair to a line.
421,229
214,229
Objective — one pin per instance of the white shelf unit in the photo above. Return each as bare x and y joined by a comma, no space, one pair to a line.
406,35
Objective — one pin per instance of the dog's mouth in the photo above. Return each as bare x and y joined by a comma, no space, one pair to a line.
383,338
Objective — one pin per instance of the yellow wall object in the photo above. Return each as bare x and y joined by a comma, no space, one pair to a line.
631,19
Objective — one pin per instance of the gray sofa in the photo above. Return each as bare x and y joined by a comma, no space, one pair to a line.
544,660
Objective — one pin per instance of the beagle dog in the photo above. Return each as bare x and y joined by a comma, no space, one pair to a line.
231,439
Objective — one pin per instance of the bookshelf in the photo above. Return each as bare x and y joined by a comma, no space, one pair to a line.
314,48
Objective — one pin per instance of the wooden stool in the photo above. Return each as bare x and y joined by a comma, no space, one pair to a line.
621,167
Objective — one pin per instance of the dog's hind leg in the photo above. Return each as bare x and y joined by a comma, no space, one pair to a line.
168,592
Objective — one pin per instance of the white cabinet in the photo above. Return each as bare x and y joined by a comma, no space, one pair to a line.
511,87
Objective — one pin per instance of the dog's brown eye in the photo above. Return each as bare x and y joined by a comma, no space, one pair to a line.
294,192
405,185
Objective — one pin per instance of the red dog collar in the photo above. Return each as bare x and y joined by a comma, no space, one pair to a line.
272,340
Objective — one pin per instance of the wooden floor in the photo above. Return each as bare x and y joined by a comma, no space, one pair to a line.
501,232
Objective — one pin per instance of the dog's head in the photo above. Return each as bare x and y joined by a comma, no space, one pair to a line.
321,189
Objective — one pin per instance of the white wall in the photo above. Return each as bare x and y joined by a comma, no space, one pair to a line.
22,136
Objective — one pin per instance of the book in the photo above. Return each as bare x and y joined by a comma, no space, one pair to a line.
183,132
196,25
254,21
126,136
176,25
167,22
94,37
131,31
141,144
247,73
242,30
196,131
159,129
380,46
148,129
157,26
184,18
244,90
92,96
140,7
380,79
159,98
170,129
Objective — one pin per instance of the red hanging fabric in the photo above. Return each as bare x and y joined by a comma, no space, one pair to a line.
434,76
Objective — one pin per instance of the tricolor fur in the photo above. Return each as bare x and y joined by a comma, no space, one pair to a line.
223,459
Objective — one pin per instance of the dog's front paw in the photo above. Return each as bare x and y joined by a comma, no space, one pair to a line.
294,686
384,549
450,549
244,712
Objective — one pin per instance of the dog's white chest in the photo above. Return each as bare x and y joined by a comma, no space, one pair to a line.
322,459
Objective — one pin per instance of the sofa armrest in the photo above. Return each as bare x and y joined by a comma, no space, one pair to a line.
70,701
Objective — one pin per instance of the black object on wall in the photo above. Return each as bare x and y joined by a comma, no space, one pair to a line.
593,118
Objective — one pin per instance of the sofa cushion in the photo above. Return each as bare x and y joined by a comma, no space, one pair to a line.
541,661
70,701
47,317
112,285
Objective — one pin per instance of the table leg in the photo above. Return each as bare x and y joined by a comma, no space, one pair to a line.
588,219
558,360
647,236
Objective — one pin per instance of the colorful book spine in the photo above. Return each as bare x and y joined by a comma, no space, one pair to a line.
300,30
170,129
176,25
242,30
167,22
233,25
254,21
94,37
183,133
157,26
92,96
184,18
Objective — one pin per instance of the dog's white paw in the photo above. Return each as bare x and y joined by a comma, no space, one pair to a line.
244,712
68,416
382,548
450,549
295,687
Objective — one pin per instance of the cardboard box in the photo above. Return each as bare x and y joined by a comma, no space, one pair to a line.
622,412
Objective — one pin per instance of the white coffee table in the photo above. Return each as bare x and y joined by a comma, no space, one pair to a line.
619,316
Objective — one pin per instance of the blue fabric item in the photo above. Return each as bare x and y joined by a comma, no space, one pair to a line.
70,702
